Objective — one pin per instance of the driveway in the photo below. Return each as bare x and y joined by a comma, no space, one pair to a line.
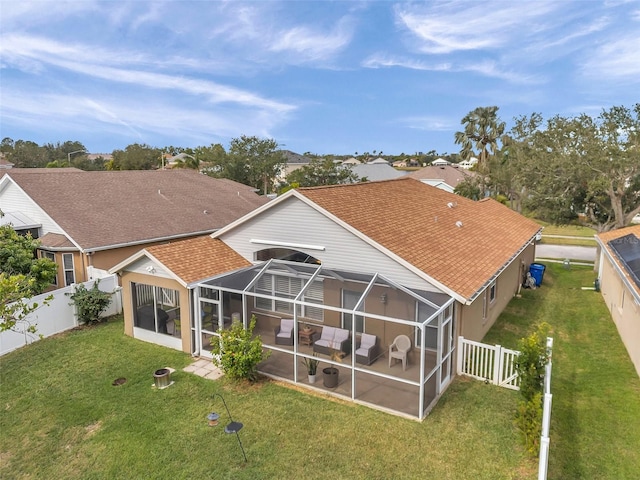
585,254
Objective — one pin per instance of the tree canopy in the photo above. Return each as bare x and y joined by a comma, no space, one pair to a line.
21,277
252,161
322,171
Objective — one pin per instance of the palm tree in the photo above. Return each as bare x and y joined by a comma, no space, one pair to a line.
482,131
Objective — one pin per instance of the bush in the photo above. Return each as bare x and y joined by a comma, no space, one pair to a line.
238,353
529,421
530,365
90,303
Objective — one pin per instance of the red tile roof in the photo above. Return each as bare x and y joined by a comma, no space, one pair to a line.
419,223
197,258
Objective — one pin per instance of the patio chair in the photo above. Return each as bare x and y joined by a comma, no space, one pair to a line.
398,350
284,332
367,351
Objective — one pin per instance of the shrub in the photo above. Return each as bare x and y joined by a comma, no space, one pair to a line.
529,421
90,303
238,352
530,365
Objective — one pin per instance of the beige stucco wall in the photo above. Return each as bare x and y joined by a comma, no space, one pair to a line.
472,324
625,313
130,277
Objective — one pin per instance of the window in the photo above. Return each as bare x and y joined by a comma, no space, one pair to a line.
285,287
157,309
69,273
51,256
492,292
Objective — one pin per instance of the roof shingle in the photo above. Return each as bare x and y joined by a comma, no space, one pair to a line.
99,210
458,242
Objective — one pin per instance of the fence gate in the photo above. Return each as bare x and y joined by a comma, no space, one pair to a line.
491,363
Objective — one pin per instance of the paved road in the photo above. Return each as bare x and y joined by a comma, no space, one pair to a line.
585,254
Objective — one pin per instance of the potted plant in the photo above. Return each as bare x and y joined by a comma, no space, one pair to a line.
330,373
312,367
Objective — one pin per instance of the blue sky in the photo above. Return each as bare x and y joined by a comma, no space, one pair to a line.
320,77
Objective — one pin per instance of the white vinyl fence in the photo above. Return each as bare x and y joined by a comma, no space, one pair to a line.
59,315
491,363
546,417
495,364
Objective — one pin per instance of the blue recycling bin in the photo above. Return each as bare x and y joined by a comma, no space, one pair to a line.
537,272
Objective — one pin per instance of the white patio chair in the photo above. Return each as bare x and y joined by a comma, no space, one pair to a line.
398,350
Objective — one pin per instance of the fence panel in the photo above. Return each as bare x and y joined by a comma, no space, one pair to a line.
58,315
507,374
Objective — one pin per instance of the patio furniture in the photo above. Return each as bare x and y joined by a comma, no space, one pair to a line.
284,332
333,339
398,350
367,350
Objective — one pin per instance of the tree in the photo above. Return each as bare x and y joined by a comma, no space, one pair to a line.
21,277
17,258
483,129
135,157
322,171
252,161
580,166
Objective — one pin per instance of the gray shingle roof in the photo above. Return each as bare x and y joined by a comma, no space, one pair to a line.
99,210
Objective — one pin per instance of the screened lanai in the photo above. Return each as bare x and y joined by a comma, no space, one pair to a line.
333,315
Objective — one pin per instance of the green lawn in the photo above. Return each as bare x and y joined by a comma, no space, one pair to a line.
595,419
60,416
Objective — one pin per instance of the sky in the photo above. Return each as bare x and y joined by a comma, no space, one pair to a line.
317,76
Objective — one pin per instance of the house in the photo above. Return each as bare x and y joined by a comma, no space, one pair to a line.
467,164
618,266
294,162
376,171
375,260
378,161
352,161
438,162
89,221
446,177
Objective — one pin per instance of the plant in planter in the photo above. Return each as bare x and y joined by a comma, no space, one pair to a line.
312,367
330,373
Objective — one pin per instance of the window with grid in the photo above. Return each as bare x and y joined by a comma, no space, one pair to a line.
69,274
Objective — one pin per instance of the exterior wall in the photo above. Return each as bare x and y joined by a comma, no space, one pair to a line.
12,199
625,312
472,324
105,259
127,302
297,223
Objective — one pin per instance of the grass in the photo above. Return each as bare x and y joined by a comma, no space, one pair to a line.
60,417
567,230
582,242
595,419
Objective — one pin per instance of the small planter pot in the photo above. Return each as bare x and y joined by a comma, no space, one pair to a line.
330,377
312,378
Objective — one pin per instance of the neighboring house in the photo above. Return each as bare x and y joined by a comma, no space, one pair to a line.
440,162
352,161
378,161
376,171
467,164
619,279
371,260
446,177
89,221
294,162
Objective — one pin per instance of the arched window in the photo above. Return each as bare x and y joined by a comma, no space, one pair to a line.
285,254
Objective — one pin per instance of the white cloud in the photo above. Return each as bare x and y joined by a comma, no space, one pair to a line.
461,26
618,58
21,50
